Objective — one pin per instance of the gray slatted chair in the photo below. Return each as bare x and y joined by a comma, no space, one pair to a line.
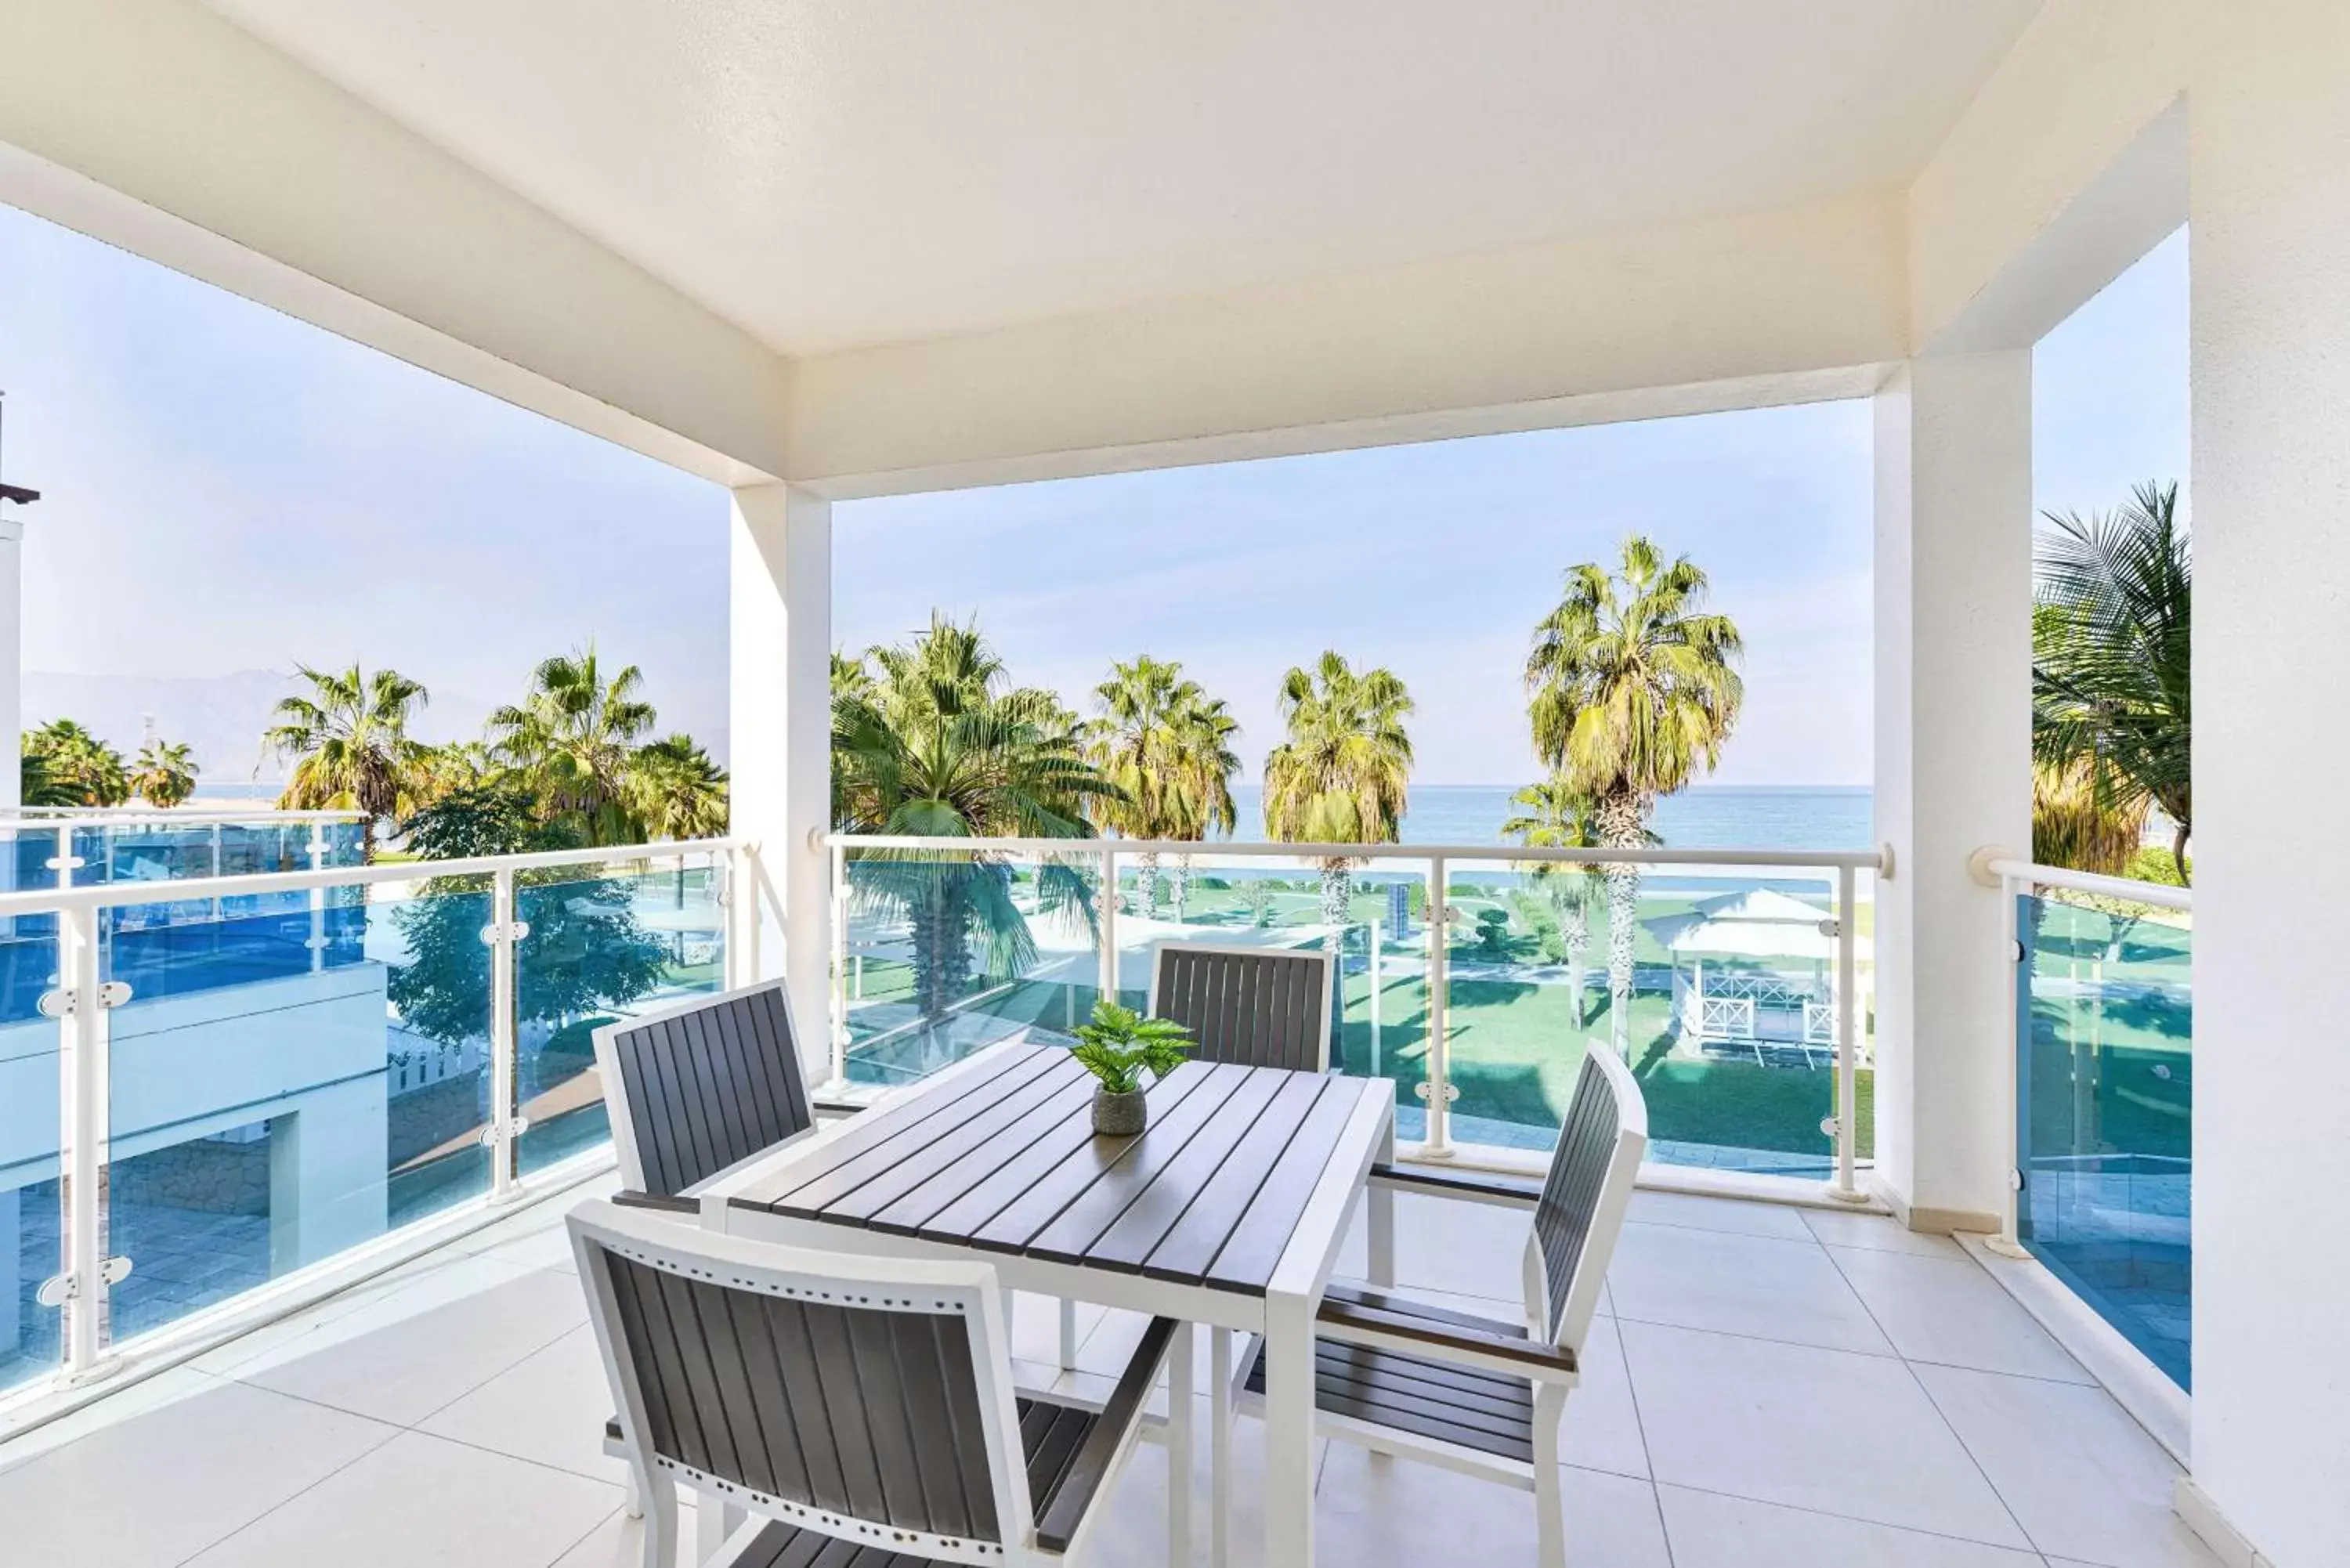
1402,1377
1260,1007
699,1088
851,1410
694,1090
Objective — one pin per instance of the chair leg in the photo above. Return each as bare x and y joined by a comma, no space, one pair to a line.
1220,1448
660,1501
1069,1333
634,1507
1550,1502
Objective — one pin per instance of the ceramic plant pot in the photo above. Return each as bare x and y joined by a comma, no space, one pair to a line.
1120,1116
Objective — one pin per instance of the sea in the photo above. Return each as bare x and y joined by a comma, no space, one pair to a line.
1703,816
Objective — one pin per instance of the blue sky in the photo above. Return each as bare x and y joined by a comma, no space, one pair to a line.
230,490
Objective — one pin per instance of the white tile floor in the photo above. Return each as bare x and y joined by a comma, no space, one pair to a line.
1770,1389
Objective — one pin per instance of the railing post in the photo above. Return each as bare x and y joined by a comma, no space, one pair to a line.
1845,1188
2009,1242
731,887
840,962
1108,926
504,1049
1373,998
78,1004
318,897
1437,1090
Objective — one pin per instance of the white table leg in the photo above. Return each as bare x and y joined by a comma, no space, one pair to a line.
1068,1332
1289,1430
1220,1448
1381,1219
1182,1385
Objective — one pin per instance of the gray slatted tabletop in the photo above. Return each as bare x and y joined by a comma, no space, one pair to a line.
1229,1208
1208,1194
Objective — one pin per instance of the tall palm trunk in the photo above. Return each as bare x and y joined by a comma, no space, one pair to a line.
1576,930
941,932
1622,821
1146,885
1338,893
1180,876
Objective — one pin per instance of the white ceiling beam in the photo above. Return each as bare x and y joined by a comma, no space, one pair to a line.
2061,164
1771,307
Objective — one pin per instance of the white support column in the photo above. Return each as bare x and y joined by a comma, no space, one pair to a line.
1953,769
779,711
2270,273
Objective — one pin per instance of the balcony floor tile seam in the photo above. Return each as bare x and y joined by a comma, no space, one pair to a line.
392,1432
1935,1405
685,1530
1640,1426
1630,1224
539,1348
495,1453
416,1426
1663,1487
1773,1338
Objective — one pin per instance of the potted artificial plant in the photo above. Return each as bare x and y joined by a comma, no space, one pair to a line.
1117,1046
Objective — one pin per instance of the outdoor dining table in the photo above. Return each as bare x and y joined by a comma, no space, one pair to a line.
1229,1210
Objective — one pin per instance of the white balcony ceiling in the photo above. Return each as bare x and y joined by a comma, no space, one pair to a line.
858,171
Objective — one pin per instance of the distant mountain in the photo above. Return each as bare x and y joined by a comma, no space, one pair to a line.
220,716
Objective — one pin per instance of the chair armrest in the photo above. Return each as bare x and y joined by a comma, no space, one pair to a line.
666,1203
1098,1455
1453,1336
1493,1190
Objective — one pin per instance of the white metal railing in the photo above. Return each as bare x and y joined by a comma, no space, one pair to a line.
111,825
1439,1091
2016,878
85,996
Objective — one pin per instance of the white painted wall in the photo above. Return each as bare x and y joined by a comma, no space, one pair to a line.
779,706
2270,271
1954,663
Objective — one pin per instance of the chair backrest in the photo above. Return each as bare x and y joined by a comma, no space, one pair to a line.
696,1088
1260,1007
868,1398
1581,1210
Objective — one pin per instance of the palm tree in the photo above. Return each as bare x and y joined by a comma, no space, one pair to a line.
349,733
166,773
1631,688
1342,774
2110,656
1551,815
65,764
1203,783
678,792
1165,743
935,742
572,737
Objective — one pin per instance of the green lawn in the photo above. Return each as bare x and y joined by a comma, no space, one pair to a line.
1515,1053
2112,1067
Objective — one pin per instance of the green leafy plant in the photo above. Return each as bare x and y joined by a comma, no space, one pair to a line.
1119,1044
